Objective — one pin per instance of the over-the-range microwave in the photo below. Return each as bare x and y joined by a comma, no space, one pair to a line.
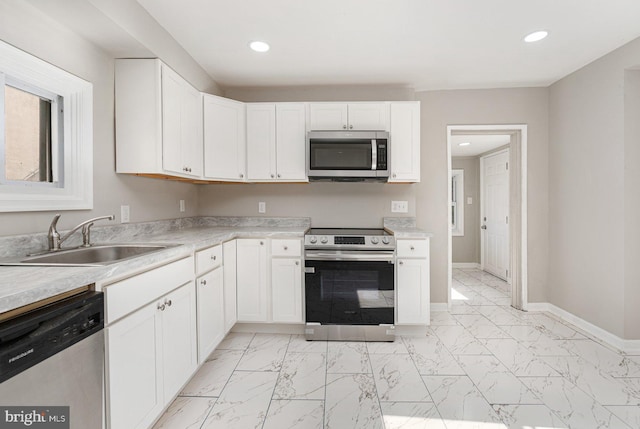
348,156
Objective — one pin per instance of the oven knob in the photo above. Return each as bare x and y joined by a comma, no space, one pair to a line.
374,240
385,240
324,240
313,239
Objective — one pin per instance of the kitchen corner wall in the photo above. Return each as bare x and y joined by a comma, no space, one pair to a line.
29,29
365,204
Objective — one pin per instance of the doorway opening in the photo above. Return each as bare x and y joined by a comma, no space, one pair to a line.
508,152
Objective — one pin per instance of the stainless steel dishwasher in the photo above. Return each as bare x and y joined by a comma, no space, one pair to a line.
54,357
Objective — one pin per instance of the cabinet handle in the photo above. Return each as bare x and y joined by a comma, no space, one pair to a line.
203,282
412,248
262,243
241,175
350,127
286,248
272,176
213,257
279,176
344,127
297,262
400,263
161,307
168,302
394,175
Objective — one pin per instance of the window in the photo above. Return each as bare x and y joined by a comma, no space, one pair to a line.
46,137
457,202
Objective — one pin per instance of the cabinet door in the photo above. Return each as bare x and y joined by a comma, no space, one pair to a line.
210,312
224,139
369,116
327,116
405,142
132,362
291,142
261,141
252,280
179,348
230,310
192,141
286,287
412,290
172,94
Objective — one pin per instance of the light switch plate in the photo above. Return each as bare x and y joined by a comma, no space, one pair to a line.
469,200
399,206
262,207
182,206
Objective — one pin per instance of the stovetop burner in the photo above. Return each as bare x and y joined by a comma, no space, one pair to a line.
347,231
349,239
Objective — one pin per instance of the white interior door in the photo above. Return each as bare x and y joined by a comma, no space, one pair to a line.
495,214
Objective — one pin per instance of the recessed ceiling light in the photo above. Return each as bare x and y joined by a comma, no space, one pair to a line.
464,144
259,46
536,36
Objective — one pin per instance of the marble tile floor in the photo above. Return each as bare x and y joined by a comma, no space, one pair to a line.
481,365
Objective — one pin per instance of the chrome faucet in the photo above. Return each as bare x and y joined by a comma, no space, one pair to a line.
54,236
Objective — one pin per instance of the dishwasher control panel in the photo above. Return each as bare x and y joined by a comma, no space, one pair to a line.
33,337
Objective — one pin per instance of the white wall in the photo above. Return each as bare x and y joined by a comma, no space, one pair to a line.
30,30
478,107
593,201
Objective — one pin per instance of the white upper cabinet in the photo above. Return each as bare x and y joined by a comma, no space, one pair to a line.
158,121
349,116
405,142
224,139
276,142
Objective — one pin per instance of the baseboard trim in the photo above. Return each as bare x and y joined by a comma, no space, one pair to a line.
465,265
439,306
627,346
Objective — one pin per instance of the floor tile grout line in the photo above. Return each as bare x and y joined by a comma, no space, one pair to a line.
266,414
375,386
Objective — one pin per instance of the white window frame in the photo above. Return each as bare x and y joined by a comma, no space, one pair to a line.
73,171
457,202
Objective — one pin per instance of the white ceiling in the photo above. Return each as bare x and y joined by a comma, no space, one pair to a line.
424,44
479,144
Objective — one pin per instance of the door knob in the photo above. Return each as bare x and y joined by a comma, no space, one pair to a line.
483,227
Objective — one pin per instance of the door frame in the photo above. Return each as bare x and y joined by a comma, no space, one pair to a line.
482,207
517,205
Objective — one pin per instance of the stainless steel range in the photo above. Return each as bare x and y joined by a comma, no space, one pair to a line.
349,284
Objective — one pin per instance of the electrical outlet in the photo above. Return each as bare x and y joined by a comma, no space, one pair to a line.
399,206
469,200
182,206
124,214
262,207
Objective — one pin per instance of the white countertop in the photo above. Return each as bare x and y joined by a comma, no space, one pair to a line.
24,285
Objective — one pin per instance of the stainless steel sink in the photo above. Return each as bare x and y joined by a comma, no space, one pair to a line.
97,255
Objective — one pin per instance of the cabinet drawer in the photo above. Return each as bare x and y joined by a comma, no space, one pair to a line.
125,296
412,248
286,248
208,259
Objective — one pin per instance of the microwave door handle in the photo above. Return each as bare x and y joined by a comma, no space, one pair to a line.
374,154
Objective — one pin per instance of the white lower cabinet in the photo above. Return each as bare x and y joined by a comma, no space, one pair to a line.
151,353
286,290
252,280
413,298
230,281
210,298
269,280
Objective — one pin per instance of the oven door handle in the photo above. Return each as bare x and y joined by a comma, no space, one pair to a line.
311,255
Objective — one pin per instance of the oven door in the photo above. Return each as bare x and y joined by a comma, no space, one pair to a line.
349,287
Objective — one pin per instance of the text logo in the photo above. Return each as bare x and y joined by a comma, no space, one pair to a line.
34,417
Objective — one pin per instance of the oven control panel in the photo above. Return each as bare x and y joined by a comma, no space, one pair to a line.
365,242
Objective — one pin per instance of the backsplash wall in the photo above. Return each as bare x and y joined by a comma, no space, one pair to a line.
327,204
